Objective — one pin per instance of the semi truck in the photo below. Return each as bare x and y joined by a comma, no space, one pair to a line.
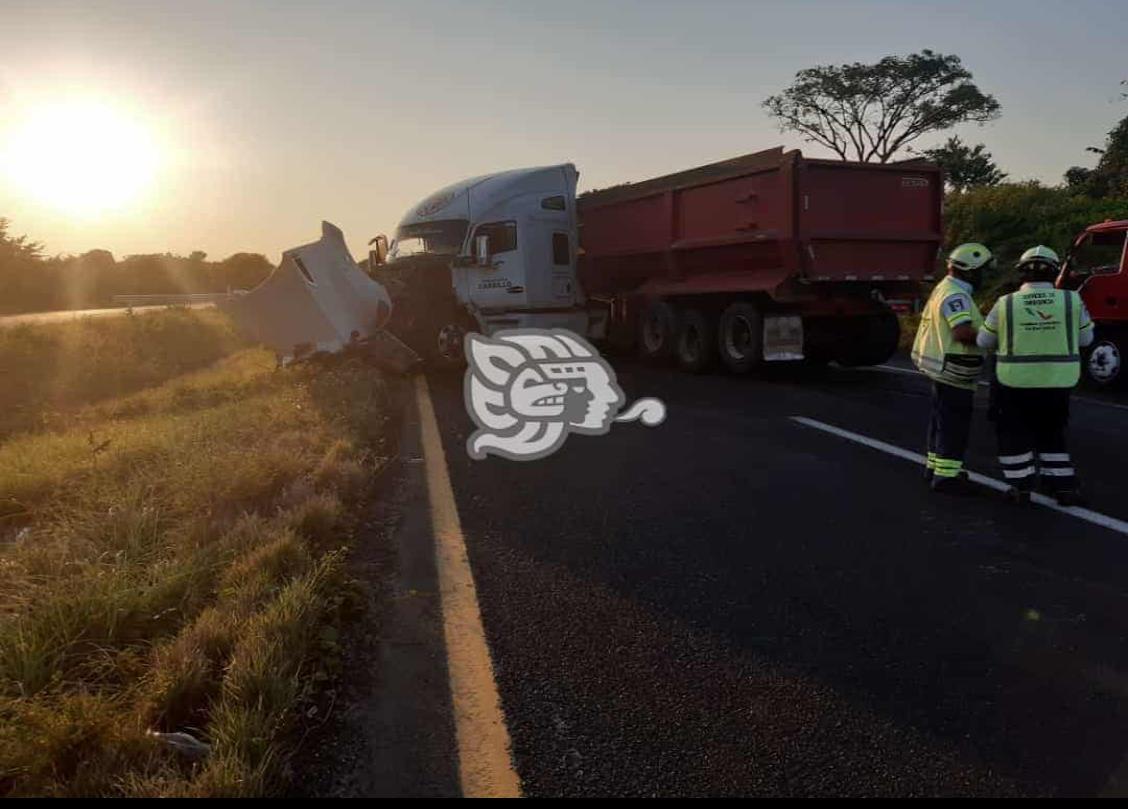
1097,266
766,257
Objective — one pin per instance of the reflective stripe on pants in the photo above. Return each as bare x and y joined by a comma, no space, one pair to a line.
946,467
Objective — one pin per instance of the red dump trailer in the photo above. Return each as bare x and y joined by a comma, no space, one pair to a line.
769,256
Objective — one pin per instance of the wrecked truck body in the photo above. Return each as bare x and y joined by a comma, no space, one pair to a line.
317,300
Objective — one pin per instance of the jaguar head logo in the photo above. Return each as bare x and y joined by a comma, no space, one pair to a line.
527,389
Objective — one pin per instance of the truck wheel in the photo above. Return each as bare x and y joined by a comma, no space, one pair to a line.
441,342
448,345
740,337
1105,363
658,332
697,346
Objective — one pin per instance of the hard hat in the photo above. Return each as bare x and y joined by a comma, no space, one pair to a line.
1039,255
970,256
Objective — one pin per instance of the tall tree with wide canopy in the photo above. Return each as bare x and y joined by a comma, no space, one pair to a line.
871,112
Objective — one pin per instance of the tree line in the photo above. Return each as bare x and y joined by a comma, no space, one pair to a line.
31,281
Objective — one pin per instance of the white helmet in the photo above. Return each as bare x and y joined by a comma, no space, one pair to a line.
1039,255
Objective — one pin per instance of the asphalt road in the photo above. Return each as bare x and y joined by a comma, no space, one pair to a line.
733,603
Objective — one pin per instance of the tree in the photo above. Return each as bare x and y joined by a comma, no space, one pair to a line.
871,112
17,247
1077,178
1110,177
965,166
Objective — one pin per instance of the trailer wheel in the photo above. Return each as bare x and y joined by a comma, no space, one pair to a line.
740,337
1104,365
697,346
658,332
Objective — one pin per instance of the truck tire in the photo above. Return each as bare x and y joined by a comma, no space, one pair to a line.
740,337
1103,367
872,342
439,341
697,344
658,332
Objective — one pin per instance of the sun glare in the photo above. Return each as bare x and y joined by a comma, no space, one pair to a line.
82,157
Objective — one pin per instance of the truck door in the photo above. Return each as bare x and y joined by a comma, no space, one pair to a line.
499,285
1096,269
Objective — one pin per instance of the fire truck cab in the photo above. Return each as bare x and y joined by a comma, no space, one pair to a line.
1097,266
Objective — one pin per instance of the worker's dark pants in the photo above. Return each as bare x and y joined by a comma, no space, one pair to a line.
948,428
1030,426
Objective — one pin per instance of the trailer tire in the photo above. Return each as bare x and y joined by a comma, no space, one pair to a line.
658,332
697,342
1104,363
740,337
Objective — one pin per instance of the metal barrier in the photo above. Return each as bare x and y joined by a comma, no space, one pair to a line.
170,300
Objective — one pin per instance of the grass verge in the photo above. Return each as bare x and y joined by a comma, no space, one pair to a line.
172,562
48,371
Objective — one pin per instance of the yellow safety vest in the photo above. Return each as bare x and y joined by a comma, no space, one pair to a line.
1039,331
935,352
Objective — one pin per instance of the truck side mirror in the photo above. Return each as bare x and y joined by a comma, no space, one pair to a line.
482,249
379,254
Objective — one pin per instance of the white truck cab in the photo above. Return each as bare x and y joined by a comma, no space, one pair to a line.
512,240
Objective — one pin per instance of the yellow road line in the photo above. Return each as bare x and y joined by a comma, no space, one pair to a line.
484,764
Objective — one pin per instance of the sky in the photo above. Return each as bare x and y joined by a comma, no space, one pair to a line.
239,126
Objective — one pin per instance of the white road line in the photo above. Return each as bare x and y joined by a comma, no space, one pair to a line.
1085,514
908,371
911,372
1100,402
896,370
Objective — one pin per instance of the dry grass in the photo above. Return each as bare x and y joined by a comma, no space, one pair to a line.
171,561
47,372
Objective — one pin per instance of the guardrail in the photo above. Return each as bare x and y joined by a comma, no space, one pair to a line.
171,300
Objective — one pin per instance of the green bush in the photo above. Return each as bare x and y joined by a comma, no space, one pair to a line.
1011,217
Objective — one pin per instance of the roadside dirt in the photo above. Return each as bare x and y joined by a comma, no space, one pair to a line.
385,729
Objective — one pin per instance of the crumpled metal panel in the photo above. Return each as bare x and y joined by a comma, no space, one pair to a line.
316,300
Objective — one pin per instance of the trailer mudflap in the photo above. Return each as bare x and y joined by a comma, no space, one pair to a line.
783,338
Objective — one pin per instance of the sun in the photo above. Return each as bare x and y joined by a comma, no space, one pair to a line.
82,157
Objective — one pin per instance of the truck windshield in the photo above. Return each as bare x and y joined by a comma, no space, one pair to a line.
1100,253
443,237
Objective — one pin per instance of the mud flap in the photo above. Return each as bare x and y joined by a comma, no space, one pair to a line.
783,337
317,300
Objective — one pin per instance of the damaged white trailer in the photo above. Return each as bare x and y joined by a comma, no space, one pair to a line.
317,300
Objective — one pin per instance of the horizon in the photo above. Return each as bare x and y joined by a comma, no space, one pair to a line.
242,128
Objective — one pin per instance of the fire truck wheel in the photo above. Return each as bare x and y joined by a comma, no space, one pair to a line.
658,332
697,346
740,337
1105,362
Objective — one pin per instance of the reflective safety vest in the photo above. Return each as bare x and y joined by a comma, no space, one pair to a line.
1039,331
935,352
